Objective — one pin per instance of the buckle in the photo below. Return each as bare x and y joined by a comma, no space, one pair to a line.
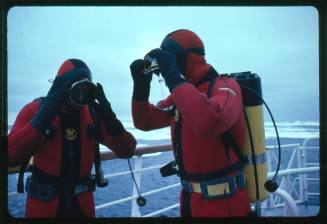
39,191
225,185
232,186
92,184
86,187
187,186
80,188
240,180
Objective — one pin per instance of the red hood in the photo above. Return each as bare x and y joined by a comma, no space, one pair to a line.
71,64
197,68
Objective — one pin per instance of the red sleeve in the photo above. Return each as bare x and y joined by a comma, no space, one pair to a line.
210,116
23,139
148,117
123,145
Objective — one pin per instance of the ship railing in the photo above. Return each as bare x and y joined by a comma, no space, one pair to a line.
295,176
295,188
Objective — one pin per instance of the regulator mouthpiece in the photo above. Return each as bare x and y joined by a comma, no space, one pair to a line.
150,65
82,92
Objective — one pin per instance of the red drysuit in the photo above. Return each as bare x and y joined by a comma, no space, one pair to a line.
200,119
52,155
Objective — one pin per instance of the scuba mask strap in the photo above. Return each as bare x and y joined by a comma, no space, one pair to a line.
173,47
195,50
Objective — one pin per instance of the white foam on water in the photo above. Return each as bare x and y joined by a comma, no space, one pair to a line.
293,129
293,123
286,129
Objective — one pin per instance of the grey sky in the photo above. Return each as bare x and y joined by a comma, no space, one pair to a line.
280,44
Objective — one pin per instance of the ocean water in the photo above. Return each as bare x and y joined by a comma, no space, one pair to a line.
121,186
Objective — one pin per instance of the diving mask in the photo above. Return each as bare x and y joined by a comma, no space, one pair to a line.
82,92
150,65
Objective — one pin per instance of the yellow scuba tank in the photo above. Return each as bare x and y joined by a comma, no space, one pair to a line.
254,147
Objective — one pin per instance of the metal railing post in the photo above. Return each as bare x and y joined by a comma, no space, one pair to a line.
137,174
290,208
286,188
304,164
301,179
270,201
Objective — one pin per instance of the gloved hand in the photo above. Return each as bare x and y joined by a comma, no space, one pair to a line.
103,109
141,88
57,93
168,68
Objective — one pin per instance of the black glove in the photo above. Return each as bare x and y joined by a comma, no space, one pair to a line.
57,93
103,109
141,88
168,68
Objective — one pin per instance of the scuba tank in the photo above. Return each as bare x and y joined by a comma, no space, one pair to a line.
254,148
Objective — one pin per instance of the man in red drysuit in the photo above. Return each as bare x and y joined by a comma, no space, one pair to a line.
207,112
60,131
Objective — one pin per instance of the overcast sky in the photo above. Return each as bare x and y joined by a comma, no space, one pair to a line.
280,44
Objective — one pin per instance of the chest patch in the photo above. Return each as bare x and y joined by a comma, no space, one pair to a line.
70,134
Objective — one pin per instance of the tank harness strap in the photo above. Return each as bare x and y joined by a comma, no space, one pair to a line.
20,182
229,142
50,133
216,188
227,138
238,165
211,75
97,160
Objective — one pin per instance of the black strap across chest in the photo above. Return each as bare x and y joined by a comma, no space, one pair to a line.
70,149
227,138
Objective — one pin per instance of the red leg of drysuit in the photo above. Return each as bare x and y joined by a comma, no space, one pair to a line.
33,207
236,206
86,202
50,209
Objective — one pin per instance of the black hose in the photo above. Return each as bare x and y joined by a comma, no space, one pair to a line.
253,157
141,201
276,130
130,168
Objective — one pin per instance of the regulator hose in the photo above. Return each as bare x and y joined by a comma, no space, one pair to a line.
141,201
270,185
